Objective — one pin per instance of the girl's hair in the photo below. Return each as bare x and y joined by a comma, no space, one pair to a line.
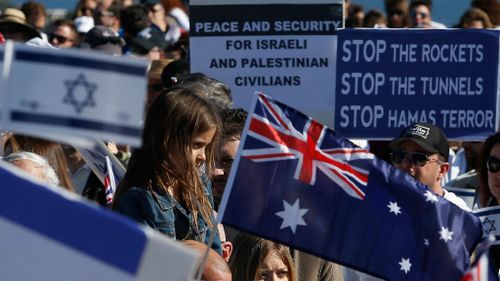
164,161
484,190
51,151
250,251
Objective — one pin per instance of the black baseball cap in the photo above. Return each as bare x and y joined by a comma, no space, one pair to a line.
428,136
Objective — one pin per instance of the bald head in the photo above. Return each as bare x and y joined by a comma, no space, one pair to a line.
216,269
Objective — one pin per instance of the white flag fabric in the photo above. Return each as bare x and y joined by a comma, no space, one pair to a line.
95,157
490,217
47,234
74,95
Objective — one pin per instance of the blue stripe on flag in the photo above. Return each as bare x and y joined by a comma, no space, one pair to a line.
75,123
480,213
98,233
81,62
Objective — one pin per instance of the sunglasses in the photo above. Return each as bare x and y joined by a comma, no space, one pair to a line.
493,164
417,158
60,39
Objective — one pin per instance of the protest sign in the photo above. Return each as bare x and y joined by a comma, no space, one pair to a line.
63,94
284,48
388,79
50,234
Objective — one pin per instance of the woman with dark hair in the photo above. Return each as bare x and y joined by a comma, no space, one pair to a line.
165,185
489,188
258,259
489,172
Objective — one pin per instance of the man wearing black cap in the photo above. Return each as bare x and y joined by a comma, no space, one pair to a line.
422,151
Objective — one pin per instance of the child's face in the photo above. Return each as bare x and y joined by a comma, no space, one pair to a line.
199,144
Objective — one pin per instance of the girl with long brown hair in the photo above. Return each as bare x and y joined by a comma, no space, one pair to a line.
165,185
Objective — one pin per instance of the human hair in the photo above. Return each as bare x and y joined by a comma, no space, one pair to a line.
115,8
250,251
233,121
490,7
351,19
475,14
416,3
173,71
51,151
374,17
216,91
33,12
397,7
80,5
164,162
66,22
37,160
134,19
484,190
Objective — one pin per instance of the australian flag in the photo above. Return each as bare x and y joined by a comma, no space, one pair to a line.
298,183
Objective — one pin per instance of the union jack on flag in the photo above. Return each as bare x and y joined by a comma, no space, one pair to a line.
109,182
272,126
295,179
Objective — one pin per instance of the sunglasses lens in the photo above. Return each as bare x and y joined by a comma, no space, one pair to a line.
60,39
398,156
419,159
493,164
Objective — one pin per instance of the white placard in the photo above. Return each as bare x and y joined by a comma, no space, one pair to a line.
286,49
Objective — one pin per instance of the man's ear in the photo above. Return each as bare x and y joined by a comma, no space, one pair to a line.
227,250
443,169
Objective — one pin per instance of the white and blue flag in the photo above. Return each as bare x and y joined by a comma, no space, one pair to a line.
72,95
47,234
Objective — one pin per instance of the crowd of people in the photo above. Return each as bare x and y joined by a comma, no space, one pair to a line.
175,181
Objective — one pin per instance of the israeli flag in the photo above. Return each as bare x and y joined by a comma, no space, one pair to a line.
47,234
73,95
490,218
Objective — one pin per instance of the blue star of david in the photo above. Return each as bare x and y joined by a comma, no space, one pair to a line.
77,102
491,225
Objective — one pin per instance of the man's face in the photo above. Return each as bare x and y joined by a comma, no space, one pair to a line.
62,37
420,16
225,157
430,173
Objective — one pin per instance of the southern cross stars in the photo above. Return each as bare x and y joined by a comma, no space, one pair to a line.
430,197
405,265
445,234
394,208
77,101
292,215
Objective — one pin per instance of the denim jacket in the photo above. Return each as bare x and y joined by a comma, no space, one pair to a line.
162,211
